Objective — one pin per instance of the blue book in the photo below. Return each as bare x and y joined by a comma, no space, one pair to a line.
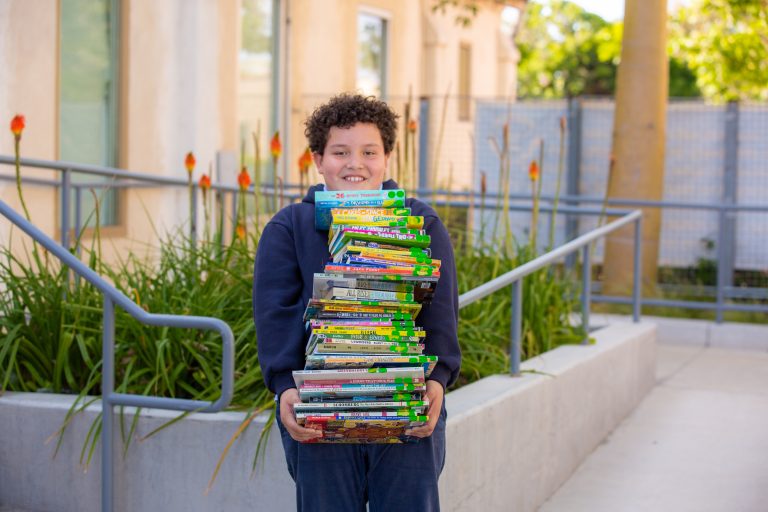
326,200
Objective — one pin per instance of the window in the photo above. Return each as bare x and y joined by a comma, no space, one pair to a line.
257,59
87,95
371,54
465,82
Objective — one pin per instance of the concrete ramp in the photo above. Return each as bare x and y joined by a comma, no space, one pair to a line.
697,443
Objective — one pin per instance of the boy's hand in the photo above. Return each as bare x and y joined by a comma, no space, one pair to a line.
288,418
435,394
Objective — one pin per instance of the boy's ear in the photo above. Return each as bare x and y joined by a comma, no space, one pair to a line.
318,159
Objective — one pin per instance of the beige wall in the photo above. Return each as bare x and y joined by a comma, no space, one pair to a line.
423,60
179,87
178,94
28,86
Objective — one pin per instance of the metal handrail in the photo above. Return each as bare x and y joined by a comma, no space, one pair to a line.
113,297
515,278
567,206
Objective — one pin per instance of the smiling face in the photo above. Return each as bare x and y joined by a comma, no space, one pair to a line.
353,159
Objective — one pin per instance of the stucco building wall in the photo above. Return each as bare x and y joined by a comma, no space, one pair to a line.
179,79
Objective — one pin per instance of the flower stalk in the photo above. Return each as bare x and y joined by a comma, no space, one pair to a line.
533,175
276,148
189,164
560,166
243,182
205,186
17,127
305,162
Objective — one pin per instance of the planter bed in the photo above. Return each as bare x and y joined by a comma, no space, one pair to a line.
511,441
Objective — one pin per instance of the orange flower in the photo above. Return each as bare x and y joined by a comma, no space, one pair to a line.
305,161
189,162
17,125
240,231
533,170
205,182
243,179
412,125
275,147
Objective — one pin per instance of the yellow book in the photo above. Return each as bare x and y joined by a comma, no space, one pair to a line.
388,331
340,217
372,211
388,254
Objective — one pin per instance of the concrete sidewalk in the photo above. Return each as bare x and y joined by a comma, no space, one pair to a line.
697,442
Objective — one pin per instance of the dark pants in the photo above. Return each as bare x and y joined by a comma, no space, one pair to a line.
342,477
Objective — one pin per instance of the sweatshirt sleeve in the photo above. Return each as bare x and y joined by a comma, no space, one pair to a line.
278,307
440,318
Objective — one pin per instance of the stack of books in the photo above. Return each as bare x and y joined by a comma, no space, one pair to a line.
365,375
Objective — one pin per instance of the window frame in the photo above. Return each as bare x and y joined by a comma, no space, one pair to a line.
384,68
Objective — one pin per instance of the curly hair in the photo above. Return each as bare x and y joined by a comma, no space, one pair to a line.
346,110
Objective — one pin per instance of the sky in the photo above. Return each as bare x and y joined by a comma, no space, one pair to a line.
609,10
612,10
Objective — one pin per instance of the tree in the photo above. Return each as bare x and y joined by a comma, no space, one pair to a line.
638,139
725,44
566,51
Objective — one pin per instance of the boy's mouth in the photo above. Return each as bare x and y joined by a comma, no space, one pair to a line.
354,179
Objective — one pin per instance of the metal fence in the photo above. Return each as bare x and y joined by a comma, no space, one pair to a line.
714,233
714,156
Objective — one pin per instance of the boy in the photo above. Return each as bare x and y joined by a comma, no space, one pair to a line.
351,138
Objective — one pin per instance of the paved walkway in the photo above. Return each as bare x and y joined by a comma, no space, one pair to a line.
698,442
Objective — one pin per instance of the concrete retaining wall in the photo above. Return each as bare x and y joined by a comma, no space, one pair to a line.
511,441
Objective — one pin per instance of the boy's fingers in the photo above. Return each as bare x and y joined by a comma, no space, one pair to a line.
425,430
297,432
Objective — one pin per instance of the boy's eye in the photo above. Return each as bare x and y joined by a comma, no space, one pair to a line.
339,153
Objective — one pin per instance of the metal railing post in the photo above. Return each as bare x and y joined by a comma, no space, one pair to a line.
637,270
424,149
65,187
107,388
221,197
586,290
726,245
78,216
722,264
516,327
573,174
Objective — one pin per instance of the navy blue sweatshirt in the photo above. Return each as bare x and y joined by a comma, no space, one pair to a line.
291,251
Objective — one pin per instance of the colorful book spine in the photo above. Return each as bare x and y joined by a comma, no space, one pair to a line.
387,331
348,404
367,322
325,201
354,293
339,217
332,346
416,270
426,251
388,255
372,211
